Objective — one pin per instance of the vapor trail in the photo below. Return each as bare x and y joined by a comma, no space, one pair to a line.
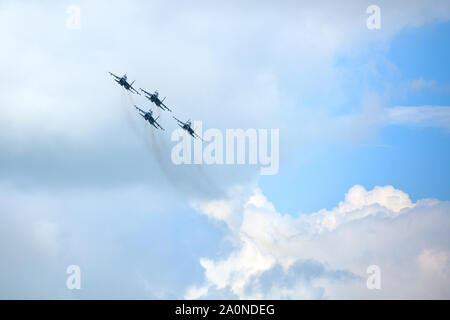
181,179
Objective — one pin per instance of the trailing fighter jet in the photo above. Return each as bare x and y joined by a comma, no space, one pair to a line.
149,117
123,82
154,97
187,126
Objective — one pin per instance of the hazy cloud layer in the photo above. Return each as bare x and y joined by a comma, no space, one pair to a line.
325,254
125,241
221,63
431,116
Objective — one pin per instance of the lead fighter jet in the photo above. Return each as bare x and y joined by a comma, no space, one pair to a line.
149,117
124,83
187,126
153,97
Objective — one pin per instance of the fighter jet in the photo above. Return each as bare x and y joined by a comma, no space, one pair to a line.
187,126
149,117
123,82
153,97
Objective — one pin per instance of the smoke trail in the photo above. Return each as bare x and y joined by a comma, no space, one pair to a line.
131,118
208,182
187,177
143,132
182,177
179,178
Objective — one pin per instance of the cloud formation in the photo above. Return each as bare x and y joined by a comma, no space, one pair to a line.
326,254
80,174
430,116
222,63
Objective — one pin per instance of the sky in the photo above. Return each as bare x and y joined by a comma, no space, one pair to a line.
364,136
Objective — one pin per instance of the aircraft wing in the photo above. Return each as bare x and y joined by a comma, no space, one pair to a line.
145,92
179,121
114,75
139,109
159,106
165,107
195,135
131,88
158,126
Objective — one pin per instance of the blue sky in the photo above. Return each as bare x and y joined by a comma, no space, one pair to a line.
364,120
413,159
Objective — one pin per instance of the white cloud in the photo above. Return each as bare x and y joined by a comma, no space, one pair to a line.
45,237
360,126
431,116
421,83
360,203
434,261
325,254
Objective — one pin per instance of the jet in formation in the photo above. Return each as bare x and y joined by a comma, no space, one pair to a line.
188,127
124,83
154,97
148,116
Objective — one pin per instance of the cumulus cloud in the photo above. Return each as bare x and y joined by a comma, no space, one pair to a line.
325,254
